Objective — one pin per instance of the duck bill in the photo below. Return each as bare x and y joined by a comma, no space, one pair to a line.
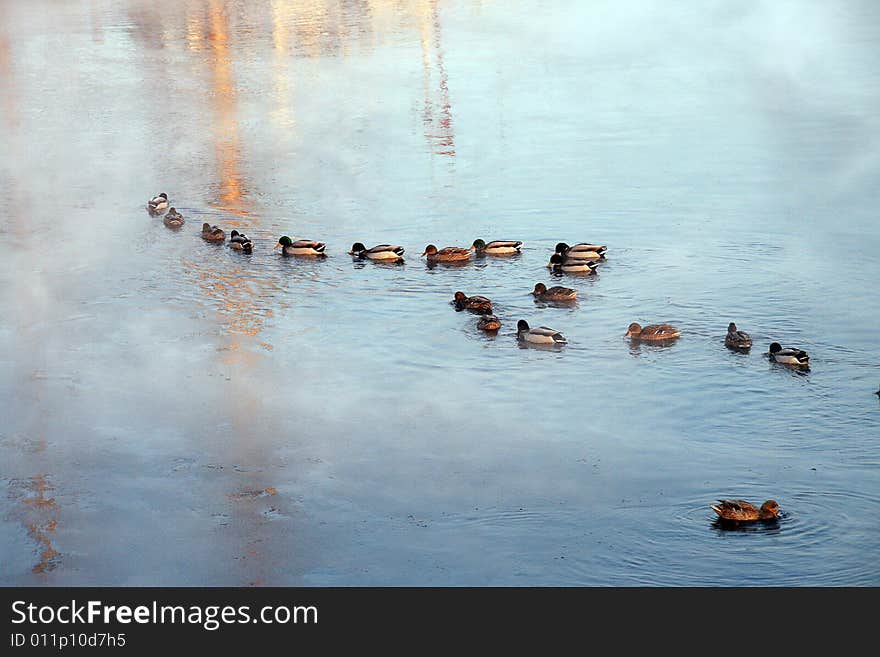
277,246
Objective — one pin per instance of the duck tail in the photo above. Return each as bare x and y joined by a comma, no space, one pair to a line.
716,509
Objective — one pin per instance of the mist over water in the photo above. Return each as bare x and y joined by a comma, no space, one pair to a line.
179,413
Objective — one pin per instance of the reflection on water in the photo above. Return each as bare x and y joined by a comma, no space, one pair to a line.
293,421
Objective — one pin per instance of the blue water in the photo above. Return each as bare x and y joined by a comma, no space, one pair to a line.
183,414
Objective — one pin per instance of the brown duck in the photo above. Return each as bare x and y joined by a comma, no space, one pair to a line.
213,233
478,304
738,511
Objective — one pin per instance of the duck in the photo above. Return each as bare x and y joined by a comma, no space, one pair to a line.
379,252
540,335
213,233
560,263
788,355
496,247
582,251
158,203
476,303
555,293
652,332
240,242
488,323
446,254
173,219
736,339
737,511
300,247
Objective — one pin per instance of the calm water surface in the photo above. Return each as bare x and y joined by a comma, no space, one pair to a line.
179,413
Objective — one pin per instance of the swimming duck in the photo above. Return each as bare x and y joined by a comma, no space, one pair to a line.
652,332
560,263
158,203
173,219
540,335
446,254
737,511
240,242
213,233
300,247
380,252
476,303
582,251
737,339
496,247
488,323
789,355
555,293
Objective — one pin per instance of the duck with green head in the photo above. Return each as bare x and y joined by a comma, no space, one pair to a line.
240,242
559,263
541,335
378,252
496,247
582,251
300,247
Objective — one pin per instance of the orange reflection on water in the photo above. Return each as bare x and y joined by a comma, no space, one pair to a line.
39,513
437,113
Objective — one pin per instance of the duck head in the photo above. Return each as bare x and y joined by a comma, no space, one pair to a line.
430,250
562,247
540,288
284,240
357,248
522,325
556,259
460,297
769,509
731,328
633,329
233,234
775,348
478,245
206,228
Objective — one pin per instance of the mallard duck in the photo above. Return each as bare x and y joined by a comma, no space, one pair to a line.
240,242
737,339
158,203
379,252
300,247
540,335
560,263
446,254
213,233
476,303
497,247
653,332
788,355
582,251
738,511
173,219
555,293
488,323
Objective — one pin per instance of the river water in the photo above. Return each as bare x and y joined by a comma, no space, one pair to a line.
178,413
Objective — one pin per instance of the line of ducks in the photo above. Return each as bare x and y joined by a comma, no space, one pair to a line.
583,258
